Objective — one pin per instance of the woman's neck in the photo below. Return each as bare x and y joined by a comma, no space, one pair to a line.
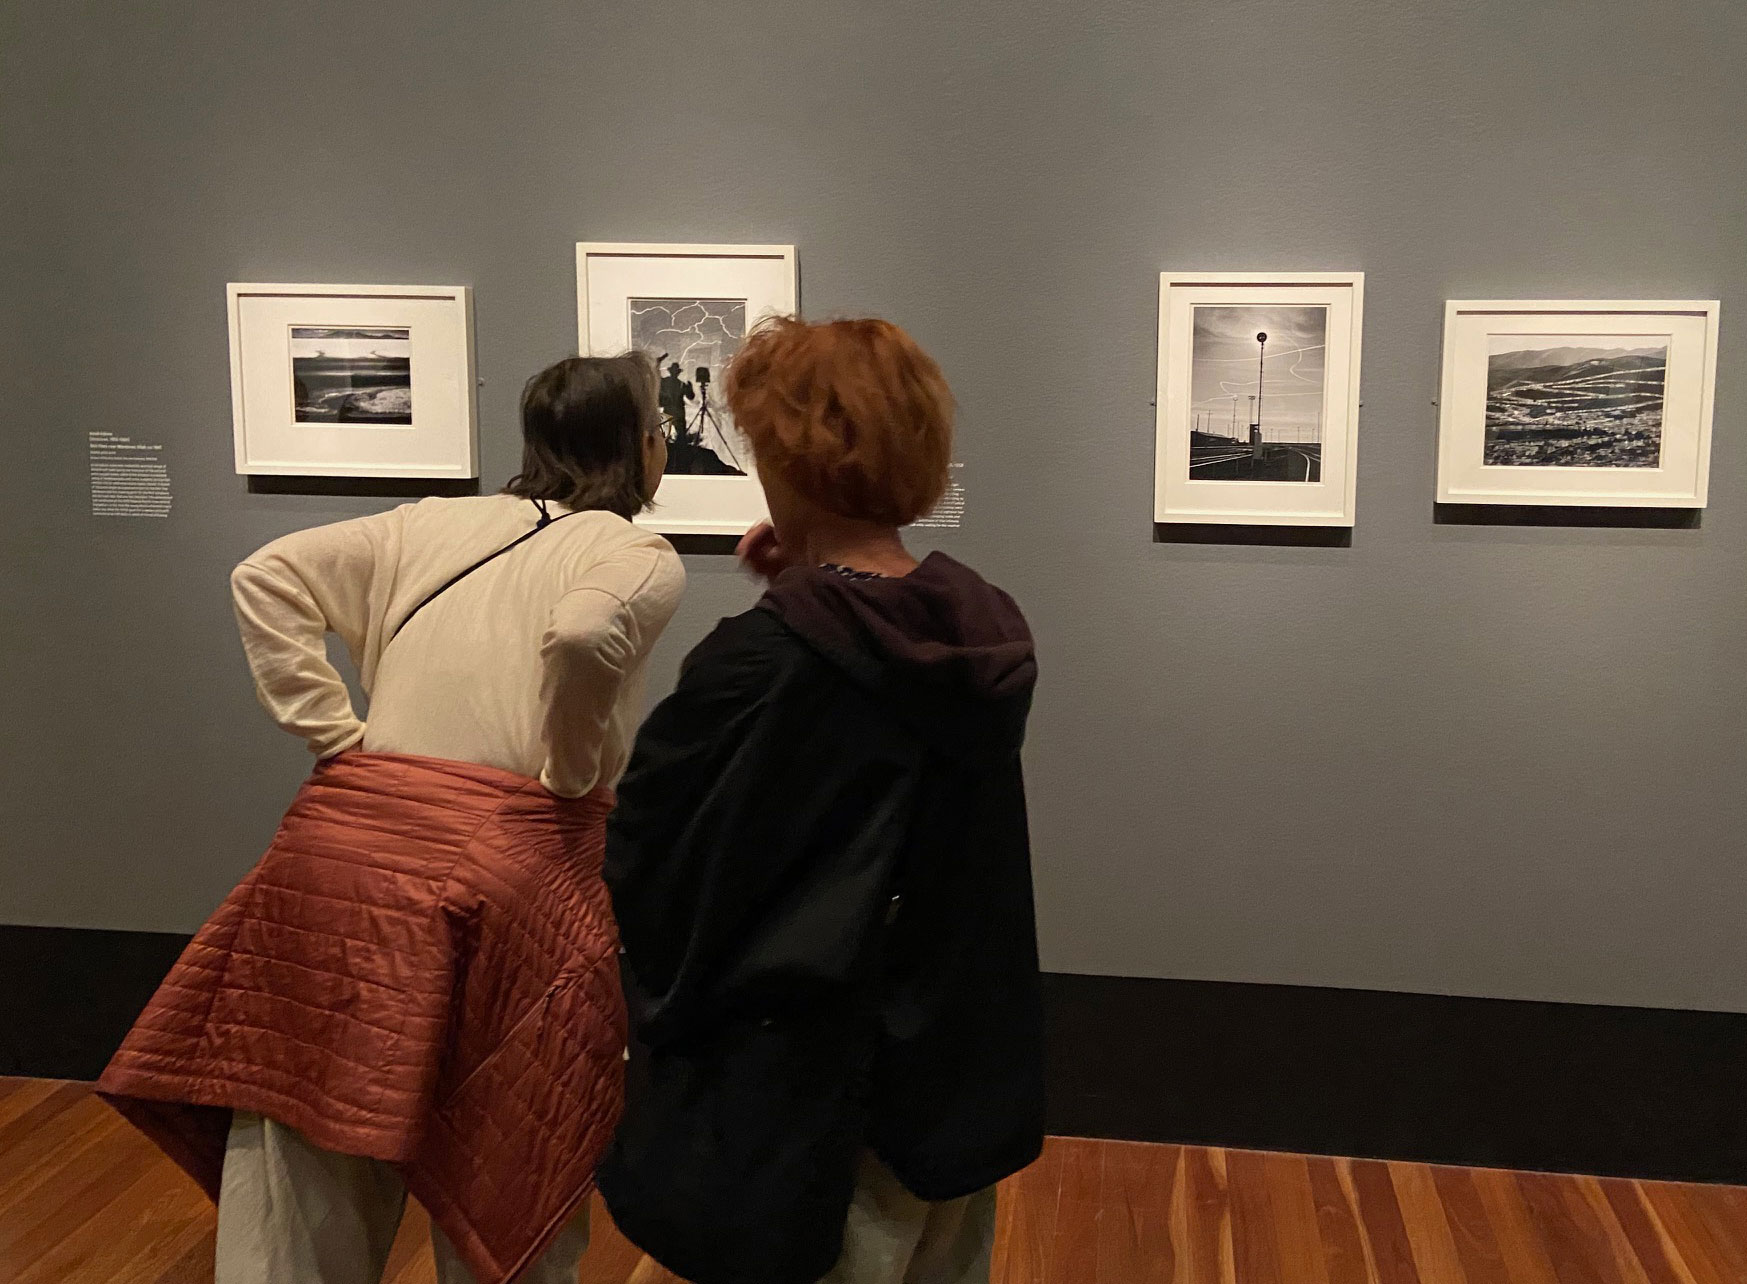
858,547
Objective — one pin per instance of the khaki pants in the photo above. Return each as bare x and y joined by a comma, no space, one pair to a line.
894,1238
290,1212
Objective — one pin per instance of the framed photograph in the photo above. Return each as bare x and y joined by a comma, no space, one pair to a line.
690,307
353,380
1562,402
1258,397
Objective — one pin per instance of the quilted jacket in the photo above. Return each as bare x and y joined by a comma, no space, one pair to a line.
422,969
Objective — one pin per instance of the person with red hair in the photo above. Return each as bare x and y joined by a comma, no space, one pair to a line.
821,869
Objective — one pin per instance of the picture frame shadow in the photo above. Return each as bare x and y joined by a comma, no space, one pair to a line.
363,487
1599,516
704,545
1252,536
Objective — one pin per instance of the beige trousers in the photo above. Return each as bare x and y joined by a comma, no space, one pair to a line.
894,1238
290,1212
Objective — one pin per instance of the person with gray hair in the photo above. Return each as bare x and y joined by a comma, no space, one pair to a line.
417,990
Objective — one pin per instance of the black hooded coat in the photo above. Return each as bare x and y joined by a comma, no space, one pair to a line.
821,871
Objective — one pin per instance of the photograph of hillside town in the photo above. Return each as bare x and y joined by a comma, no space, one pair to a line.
1575,401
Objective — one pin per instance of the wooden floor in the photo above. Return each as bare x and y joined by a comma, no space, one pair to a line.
85,1200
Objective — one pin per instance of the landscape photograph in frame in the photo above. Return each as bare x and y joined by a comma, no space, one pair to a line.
1575,400
337,380
351,375
1577,403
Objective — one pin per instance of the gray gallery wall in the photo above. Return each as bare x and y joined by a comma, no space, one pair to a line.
1495,760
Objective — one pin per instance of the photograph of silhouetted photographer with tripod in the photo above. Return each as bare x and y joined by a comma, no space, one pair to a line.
701,440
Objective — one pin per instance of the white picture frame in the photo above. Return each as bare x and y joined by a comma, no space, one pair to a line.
638,294
353,380
1586,402
1223,452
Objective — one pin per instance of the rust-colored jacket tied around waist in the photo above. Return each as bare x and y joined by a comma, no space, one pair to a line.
422,969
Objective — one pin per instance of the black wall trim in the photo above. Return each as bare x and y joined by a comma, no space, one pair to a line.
69,994
1637,1092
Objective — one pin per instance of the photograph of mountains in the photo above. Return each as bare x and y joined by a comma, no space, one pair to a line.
1575,401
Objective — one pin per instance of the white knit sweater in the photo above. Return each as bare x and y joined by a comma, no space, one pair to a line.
534,663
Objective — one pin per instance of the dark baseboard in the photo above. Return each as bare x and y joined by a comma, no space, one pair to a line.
69,994
1631,1092
1638,1092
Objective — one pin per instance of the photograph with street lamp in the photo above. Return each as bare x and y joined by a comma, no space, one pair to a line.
1265,365
1258,398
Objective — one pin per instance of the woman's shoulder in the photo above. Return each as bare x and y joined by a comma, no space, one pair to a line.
744,651
593,525
578,541
614,532
592,537
466,512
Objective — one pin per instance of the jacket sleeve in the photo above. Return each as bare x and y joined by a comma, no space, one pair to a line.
289,596
752,851
598,632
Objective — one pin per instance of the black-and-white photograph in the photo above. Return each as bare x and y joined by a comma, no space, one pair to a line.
1575,401
692,341
351,375
1257,393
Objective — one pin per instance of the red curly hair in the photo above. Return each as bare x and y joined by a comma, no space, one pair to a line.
852,414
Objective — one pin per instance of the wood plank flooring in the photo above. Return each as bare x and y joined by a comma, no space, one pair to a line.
86,1200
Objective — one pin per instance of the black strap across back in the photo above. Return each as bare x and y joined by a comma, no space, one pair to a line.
546,519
